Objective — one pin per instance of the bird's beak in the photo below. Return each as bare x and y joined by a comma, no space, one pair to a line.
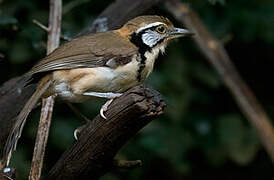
179,32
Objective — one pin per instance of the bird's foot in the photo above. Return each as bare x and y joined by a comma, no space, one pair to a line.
108,95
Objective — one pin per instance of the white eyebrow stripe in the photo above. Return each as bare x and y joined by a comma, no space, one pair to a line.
149,26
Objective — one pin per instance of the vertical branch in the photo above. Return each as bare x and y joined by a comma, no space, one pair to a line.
54,31
55,19
220,60
41,138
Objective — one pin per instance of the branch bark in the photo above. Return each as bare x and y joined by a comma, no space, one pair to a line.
92,155
218,57
54,33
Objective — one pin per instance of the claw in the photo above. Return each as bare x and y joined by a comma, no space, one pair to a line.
105,108
76,131
102,110
108,95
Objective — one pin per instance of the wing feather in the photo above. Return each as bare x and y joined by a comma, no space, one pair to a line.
87,51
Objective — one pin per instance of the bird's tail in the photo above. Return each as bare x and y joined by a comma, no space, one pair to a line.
17,128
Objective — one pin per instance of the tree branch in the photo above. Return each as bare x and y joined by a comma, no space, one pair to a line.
117,14
92,155
220,60
54,32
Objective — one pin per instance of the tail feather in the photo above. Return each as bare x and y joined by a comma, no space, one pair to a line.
17,129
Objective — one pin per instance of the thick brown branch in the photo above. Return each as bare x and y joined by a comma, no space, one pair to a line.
54,32
220,60
92,155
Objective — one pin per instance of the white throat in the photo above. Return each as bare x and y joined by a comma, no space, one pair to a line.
150,59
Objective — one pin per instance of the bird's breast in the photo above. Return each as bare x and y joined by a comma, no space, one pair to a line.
71,84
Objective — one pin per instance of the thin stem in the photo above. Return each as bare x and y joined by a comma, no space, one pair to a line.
54,32
41,138
42,26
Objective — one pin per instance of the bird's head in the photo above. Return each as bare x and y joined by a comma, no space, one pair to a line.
152,31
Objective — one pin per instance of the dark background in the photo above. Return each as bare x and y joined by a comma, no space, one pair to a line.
203,134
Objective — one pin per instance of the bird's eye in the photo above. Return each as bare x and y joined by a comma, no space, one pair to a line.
161,29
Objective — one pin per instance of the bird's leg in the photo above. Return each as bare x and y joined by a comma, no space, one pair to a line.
105,107
108,95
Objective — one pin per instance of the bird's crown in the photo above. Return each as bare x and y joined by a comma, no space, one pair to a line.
143,22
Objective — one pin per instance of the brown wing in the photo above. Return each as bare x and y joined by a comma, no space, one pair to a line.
87,51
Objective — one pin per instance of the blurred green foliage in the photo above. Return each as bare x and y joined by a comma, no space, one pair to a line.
203,134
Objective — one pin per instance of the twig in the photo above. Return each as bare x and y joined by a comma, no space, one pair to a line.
126,164
45,28
227,38
220,60
77,112
72,4
54,32
42,26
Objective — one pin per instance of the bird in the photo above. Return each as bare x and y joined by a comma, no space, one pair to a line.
103,64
